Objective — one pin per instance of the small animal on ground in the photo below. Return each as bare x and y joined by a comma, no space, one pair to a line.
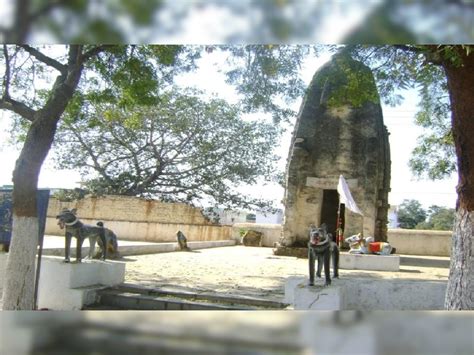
182,241
321,247
68,220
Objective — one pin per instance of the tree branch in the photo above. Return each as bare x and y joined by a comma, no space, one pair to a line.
6,78
20,108
93,52
45,59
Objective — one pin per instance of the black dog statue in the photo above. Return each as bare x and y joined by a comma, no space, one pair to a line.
322,247
75,228
112,245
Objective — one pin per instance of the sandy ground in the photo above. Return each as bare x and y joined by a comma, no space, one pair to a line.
252,271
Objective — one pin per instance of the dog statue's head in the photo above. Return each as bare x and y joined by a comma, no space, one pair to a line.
354,241
318,236
66,217
357,240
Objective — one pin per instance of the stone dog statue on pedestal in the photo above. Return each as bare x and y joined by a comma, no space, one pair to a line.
106,239
322,248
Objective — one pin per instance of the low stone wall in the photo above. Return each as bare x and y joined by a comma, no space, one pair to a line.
271,232
139,219
407,241
153,232
420,242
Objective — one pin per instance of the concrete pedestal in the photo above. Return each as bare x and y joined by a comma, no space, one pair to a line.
70,286
317,297
366,295
369,262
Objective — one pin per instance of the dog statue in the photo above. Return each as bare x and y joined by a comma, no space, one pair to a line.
182,241
75,228
112,245
361,245
322,247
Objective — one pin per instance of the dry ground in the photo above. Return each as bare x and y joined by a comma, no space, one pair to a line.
252,271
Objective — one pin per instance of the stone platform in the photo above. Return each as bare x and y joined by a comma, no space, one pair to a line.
70,286
365,295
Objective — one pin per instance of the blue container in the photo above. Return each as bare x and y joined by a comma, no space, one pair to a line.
6,213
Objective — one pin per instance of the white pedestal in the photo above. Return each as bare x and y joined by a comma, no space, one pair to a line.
317,297
369,262
70,286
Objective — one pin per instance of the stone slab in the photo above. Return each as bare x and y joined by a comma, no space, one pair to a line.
369,262
68,286
366,295
318,297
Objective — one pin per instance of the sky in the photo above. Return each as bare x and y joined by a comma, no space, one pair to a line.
399,121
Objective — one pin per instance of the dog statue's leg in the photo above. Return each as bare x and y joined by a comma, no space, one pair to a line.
320,264
92,241
335,257
326,257
79,248
104,243
67,247
311,259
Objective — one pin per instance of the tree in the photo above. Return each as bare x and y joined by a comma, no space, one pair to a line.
186,149
439,218
410,213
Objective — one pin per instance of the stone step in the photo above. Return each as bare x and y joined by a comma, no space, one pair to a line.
128,296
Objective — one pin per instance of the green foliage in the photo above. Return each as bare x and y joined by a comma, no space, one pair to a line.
266,74
439,218
69,195
186,149
84,21
410,213
411,66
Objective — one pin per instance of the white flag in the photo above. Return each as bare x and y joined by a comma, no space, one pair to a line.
346,197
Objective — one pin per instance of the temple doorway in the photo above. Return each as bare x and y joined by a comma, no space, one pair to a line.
329,210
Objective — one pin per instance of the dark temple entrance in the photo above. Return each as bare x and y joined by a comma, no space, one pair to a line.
329,210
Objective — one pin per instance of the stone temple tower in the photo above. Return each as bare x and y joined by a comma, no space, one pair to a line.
339,131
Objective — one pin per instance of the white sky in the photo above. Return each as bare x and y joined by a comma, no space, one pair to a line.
399,121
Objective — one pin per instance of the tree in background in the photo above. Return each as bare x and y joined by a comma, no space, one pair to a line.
186,149
439,218
410,214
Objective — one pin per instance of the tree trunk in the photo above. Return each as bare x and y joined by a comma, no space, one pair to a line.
18,292
459,294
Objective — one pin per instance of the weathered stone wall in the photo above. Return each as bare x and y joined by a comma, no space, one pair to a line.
421,242
271,232
140,219
330,140
407,241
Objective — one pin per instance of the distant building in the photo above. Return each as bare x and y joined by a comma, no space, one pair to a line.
230,217
393,217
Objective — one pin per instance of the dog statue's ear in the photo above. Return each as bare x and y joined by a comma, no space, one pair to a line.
323,226
74,211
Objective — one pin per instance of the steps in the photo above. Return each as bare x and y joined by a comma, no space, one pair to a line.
133,297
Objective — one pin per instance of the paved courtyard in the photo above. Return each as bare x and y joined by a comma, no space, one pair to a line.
253,271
